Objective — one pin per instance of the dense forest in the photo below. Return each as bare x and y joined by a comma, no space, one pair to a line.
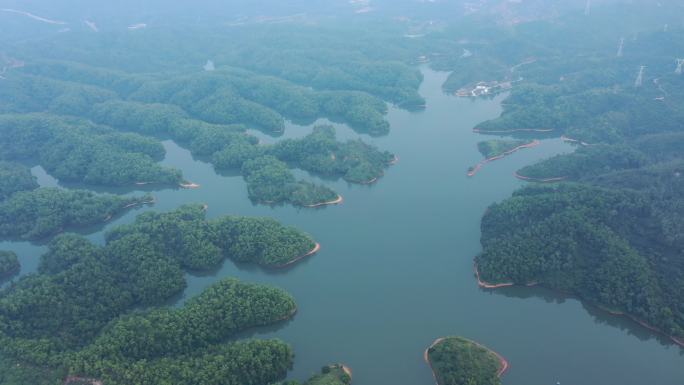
187,237
188,345
457,361
112,141
610,232
77,150
93,106
255,84
15,177
9,264
75,316
40,213
615,242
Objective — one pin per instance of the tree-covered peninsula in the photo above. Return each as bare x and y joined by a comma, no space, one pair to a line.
77,150
189,345
610,232
458,361
615,242
43,212
497,148
76,317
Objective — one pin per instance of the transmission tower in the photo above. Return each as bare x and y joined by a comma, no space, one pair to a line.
620,47
680,66
640,78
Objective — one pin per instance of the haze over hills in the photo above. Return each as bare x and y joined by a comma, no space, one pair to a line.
310,192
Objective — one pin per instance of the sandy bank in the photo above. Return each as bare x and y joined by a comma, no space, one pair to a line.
369,181
333,202
571,140
189,185
546,180
487,285
347,370
509,131
313,251
503,363
479,166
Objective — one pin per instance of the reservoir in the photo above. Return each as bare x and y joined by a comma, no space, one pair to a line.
395,270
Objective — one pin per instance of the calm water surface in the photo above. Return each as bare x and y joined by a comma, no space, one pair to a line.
395,270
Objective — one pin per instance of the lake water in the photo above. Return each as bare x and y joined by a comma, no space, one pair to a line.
396,267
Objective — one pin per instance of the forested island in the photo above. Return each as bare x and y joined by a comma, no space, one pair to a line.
458,361
77,316
40,213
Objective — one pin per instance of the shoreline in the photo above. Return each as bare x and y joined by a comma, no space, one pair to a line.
313,251
333,202
347,370
392,162
571,140
504,365
189,185
128,206
477,130
546,180
368,182
487,285
479,166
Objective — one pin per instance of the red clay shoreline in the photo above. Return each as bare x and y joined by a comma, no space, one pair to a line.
313,251
347,370
503,363
479,166
333,202
487,285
